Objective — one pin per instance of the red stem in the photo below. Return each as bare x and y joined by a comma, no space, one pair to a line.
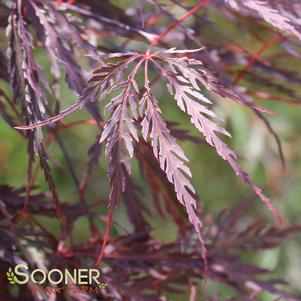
106,236
256,56
175,24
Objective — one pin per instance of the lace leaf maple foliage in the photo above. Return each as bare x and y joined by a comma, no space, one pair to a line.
75,37
141,255
283,15
24,72
186,79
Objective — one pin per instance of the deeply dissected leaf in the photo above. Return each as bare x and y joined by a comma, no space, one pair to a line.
171,158
280,14
184,80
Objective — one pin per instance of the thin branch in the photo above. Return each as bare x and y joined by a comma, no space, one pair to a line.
156,40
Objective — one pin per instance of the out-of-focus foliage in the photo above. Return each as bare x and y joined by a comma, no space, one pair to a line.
54,193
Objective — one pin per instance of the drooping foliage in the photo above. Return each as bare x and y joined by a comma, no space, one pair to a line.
124,75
